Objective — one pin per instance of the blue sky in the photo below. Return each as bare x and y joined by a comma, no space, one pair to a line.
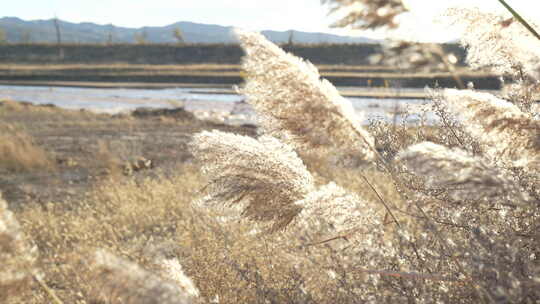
305,15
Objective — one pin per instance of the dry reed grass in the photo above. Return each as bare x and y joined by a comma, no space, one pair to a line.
295,105
446,199
507,134
366,14
19,152
118,281
454,220
122,216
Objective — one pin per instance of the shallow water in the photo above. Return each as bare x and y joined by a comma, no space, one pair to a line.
118,100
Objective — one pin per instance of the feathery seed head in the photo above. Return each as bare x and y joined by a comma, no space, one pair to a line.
333,212
172,270
295,105
495,41
508,134
367,14
466,177
264,175
120,281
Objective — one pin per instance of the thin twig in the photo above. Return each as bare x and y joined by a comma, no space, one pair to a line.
400,184
344,237
381,200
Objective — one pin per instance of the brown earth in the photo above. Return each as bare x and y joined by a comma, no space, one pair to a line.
56,154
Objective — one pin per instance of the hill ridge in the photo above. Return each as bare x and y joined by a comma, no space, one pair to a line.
20,31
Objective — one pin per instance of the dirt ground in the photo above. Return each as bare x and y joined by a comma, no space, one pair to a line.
80,148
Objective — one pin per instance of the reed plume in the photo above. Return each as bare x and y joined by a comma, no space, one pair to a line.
17,258
264,175
332,212
498,42
506,133
295,105
116,280
367,14
465,177
161,257
172,270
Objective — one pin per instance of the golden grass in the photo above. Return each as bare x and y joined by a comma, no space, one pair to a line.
127,217
124,217
16,255
19,152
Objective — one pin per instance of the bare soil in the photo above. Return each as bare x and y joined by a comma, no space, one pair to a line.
85,147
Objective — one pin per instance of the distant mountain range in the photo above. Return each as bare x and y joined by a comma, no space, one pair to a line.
18,30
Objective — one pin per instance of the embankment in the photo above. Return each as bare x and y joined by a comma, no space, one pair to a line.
346,54
342,64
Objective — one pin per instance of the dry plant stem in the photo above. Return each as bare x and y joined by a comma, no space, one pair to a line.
398,182
433,223
389,211
445,122
48,290
344,237
381,200
410,275
520,19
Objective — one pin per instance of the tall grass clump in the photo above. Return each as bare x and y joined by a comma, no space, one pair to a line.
295,105
19,152
464,226
433,214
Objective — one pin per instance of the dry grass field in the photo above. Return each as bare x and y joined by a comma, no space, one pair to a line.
72,180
